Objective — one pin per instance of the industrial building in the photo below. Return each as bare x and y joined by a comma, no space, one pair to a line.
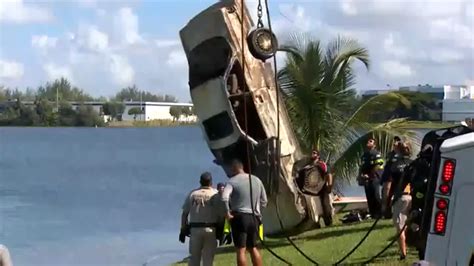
458,103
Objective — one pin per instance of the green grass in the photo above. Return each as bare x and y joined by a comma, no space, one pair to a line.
328,245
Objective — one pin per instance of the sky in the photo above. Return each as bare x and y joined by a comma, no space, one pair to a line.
103,46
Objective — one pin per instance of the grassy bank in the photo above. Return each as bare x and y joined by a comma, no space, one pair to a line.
328,245
153,123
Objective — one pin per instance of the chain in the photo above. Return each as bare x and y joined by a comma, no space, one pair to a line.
259,14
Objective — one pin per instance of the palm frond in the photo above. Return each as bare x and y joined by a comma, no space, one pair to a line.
388,101
347,163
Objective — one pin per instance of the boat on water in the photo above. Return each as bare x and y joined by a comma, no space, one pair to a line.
242,114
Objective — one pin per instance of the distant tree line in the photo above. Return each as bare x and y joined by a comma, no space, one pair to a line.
51,105
43,113
422,107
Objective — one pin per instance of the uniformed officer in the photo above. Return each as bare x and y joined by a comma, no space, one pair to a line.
203,208
372,164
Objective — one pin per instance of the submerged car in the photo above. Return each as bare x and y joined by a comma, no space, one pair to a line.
237,109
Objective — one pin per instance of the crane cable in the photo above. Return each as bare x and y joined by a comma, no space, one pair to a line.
278,168
243,38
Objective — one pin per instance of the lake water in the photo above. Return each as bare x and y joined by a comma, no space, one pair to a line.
82,196
98,196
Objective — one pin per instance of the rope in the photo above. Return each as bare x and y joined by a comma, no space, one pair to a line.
387,247
278,159
358,244
277,90
246,130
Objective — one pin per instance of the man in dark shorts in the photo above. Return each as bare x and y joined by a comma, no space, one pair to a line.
244,215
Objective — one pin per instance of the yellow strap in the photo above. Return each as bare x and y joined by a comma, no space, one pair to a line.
226,227
260,231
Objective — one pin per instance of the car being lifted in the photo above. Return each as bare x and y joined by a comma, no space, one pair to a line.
235,100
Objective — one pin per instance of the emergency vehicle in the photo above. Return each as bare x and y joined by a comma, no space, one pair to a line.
443,224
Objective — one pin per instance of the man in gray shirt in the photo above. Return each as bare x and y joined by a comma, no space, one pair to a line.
244,215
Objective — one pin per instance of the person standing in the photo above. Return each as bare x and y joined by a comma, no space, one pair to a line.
202,208
369,177
386,179
220,188
401,187
244,214
318,167
5,258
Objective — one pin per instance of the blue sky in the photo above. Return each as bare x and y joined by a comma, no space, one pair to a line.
102,46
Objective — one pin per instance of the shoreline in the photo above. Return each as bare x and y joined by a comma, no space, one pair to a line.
414,125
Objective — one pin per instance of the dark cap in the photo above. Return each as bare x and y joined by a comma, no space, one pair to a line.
219,185
206,179
397,138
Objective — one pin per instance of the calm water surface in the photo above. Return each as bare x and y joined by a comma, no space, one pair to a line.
71,196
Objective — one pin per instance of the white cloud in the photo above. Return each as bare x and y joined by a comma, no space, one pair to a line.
391,48
409,43
177,58
121,71
167,43
94,39
15,11
126,25
396,69
294,18
10,70
453,30
43,41
443,55
87,3
348,7
54,71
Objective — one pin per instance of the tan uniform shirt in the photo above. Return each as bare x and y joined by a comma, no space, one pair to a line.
202,204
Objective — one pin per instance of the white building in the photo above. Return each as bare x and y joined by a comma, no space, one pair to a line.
458,103
154,111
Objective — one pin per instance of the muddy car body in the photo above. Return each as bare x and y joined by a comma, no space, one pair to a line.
220,87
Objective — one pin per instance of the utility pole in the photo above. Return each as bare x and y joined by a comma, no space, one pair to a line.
141,105
57,98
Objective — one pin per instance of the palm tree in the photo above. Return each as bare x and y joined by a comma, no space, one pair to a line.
317,86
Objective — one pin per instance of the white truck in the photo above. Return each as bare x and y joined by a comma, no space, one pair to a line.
451,236
442,226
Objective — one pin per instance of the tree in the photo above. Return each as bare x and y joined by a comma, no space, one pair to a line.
134,94
45,112
64,90
27,116
114,109
176,112
423,107
186,111
67,115
317,87
135,111
87,117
